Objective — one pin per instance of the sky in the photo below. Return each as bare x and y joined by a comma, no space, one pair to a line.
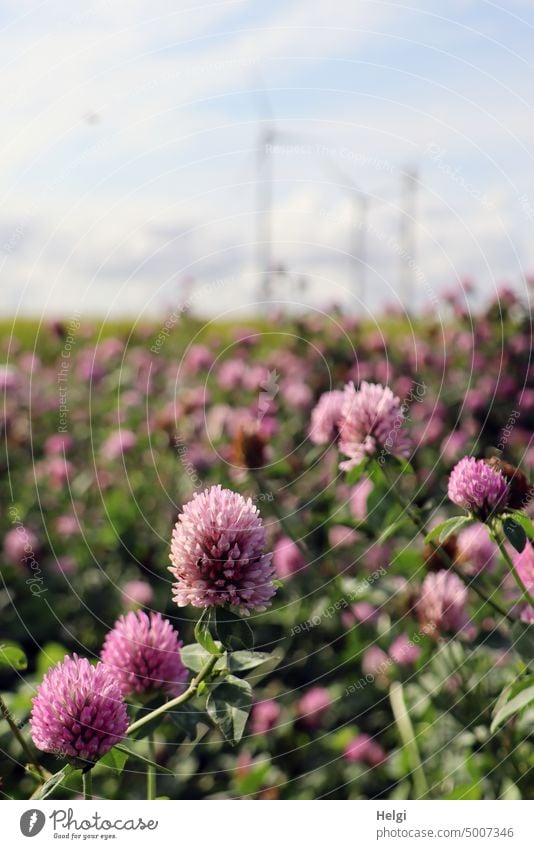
228,154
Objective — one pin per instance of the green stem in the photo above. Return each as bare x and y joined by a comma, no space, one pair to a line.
87,780
151,771
204,673
407,735
498,540
447,561
4,710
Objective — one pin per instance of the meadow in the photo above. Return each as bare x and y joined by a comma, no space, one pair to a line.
393,659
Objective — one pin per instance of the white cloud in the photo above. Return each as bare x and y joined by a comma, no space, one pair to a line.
130,164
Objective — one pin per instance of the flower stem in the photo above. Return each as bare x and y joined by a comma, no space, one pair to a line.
408,738
498,540
204,673
151,771
87,781
4,710
447,561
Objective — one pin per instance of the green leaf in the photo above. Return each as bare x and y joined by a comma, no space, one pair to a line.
233,631
525,522
239,661
379,506
513,706
194,656
186,719
115,760
523,641
12,656
445,529
53,782
392,528
356,473
203,632
466,791
229,705
133,753
514,533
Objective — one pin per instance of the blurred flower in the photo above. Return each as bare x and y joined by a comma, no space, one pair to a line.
358,499
375,661
67,526
19,543
297,393
58,470
524,563
372,419
313,705
65,565
58,443
442,603
8,378
218,553
79,711
475,550
137,593
404,651
340,536
325,417
264,716
477,488
287,558
231,374
198,358
248,447
453,445
363,749
365,612
143,652
118,443
527,614
243,764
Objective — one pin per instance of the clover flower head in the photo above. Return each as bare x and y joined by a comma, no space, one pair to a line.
372,421
143,652
326,416
218,553
478,488
79,711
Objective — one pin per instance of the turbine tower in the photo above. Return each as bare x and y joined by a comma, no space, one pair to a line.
408,237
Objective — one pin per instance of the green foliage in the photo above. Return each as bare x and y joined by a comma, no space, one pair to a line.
203,630
515,700
229,705
445,529
234,632
515,533
12,656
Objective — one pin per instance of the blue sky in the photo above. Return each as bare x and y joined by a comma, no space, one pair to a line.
129,163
